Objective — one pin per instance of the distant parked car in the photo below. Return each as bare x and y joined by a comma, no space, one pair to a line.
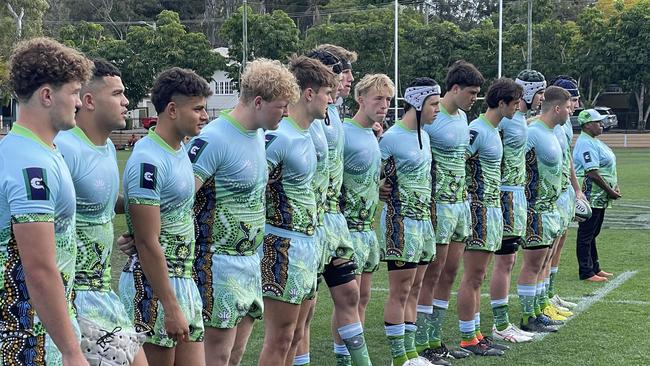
149,122
609,122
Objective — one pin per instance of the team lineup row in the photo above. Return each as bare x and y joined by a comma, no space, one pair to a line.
245,220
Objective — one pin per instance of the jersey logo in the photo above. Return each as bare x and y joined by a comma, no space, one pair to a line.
269,138
472,136
196,149
587,157
147,176
36,184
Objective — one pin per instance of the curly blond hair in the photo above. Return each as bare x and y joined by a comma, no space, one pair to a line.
268,79
338,51
374,82
40,61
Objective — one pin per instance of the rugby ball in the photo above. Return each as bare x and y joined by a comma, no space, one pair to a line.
583,210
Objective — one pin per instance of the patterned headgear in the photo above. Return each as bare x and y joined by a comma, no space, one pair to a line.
532,81
416,95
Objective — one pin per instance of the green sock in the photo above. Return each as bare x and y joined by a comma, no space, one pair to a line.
543,300
395,335
538,308
409,340
422,333
355,342
551,283
343,360
501,320
527,301
437,318
342,355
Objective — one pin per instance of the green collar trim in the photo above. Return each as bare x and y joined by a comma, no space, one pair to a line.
157,139
27,133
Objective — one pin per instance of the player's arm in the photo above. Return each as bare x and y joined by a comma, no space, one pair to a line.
37,251
119,204
198,183
574,182
146,227
598,179
385,188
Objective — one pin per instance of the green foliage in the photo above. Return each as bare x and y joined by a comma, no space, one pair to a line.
147,51
273,36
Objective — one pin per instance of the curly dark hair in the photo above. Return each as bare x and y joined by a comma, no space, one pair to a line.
40,61
177,81
104,68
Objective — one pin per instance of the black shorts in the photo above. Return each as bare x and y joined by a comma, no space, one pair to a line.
508,246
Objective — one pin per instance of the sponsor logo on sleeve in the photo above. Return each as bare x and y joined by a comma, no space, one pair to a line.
196,148
587,156
36,184
147,176
472,136
269,138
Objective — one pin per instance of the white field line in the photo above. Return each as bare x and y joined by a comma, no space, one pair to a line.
613,284
587,302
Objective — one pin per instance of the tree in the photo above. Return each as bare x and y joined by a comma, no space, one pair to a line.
592,55
147,51
30,13
273,36
630,54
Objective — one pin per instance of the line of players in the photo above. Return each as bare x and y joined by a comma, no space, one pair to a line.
275,194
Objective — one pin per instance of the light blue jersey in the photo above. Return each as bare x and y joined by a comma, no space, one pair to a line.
484,163
335,141
35,186
231,163
361,168
593,154
321,178
96,181
408,170
158,175
514,133
449,137
543,168
564,135
291,157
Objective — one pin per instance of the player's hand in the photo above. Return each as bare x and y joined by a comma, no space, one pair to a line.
126,244
581,196
76,359
614,195
176,325
378,129
384,191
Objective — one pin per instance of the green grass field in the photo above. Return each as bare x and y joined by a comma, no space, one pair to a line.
608,329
